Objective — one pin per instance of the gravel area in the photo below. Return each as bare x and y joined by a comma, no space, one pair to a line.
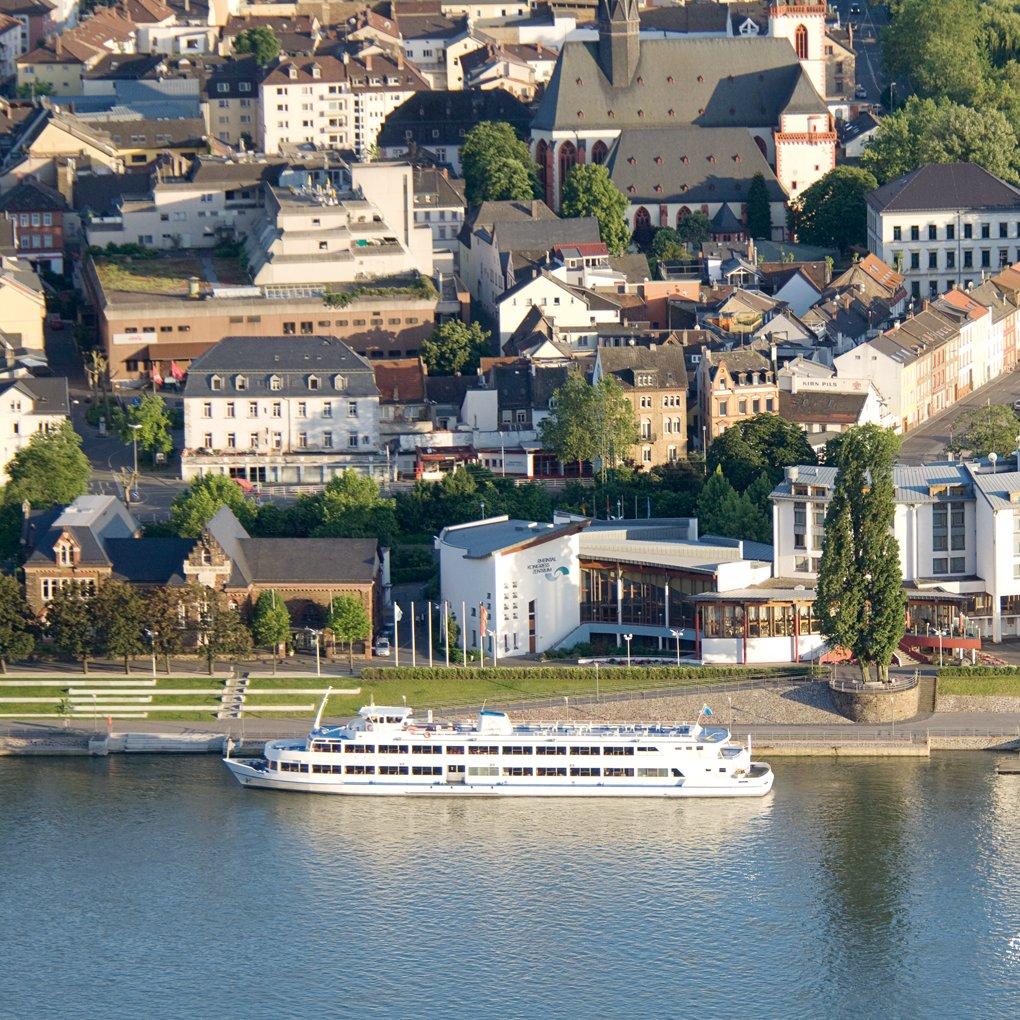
977,703
802,703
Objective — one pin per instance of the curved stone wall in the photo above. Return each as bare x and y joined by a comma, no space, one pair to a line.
874,705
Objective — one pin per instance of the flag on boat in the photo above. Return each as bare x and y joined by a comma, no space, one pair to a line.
706,711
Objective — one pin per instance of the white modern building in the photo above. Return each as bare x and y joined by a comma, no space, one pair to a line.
945,225
293,410
958,529
28,406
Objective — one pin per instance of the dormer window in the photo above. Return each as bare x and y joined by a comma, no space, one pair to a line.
275,383
339,382
216,382
313,382
240,382
65,554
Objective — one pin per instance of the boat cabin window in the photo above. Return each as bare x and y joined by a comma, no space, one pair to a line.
482,749
293,766
619,773
483,770
653,773
360,748
426,749
327,769
647,748
618,750
583,770
551,771
700,747
517,770
455,750
325,747
550,749
426,770
393,748
359,770
518,750
392,770
584,749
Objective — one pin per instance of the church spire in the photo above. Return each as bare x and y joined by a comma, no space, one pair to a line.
619,44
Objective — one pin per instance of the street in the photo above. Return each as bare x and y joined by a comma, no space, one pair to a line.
928,443
867,48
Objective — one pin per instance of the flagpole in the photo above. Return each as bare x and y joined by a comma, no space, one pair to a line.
446,628
414,660
430,634
463,630
396,634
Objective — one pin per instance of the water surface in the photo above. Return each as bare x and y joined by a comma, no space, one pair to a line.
137,886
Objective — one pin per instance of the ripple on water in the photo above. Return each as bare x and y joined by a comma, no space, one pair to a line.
147,886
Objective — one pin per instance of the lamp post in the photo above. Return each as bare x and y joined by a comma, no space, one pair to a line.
134,426
677,634
318,660
495,650
628,638
151,635
1018,451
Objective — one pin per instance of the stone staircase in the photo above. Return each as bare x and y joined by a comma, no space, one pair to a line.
232,698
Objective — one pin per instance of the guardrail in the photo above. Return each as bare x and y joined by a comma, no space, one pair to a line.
890,687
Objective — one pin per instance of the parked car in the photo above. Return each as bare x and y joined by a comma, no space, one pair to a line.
860,92
382,646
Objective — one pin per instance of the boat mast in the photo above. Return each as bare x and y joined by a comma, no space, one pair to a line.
322,708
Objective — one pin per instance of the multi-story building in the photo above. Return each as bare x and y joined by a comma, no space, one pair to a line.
654,381
22,306
34,17
945,225
37,212
28,406
281,411
733,386
440,204
231,94
336,102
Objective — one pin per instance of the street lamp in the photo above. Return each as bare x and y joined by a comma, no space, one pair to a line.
151,635
134,426
628,638
677,634
315,637
495,650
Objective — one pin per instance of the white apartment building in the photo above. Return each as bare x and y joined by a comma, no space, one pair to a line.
312,233
337,103
281,411
958,529
28,406
439,204
944,226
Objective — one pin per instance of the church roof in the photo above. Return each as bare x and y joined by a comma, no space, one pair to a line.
677,81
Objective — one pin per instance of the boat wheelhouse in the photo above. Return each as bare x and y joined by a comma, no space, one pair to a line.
386,751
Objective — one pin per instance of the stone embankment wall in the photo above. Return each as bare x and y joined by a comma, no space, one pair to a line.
874,705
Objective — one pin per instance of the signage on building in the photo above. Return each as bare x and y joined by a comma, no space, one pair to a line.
547,567
832,385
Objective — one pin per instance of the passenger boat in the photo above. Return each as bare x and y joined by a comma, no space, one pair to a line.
386,751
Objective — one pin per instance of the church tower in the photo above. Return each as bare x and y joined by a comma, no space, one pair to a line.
619,43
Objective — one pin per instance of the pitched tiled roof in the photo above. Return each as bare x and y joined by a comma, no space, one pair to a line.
400,380
355,73
31,195
666,364
945,186
310,560
822,406
439,117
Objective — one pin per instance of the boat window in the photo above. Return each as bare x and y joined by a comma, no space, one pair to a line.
618,750
678,773
700,747
653,773
393,748
550,749
293,766
648,749
426,770
455,750
619,773
518,750
550,771
483,770
482,749
584,749
271,765
426,749
583,770
360,770
517,770
360,748
392,770
393,719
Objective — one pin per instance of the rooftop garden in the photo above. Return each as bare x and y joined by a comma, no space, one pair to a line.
140,270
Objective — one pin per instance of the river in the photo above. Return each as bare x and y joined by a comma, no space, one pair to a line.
138,886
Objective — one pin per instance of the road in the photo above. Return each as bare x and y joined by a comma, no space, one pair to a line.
867,50
928,443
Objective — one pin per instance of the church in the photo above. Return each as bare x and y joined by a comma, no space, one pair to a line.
684,124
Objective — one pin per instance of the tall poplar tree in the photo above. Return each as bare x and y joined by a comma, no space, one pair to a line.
759,210
860,601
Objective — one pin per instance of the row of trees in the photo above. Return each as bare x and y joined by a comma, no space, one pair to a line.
123,623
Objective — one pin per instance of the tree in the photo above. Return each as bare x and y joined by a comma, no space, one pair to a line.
349,506
860,601
34,89
589,191
348,622
765,444
724,511
759,209
833,211
455,347
16,623
497,165
590,423
154,426
165,615
984,430
941,131
259,41
51,470
69,626
667,246
196,506
694,229
270,624
118,616
220,630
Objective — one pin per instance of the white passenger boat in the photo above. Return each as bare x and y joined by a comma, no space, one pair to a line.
385,751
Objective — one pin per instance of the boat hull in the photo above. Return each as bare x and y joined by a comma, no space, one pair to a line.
249,775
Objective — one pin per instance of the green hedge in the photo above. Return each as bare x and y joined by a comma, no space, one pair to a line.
647,674
951,671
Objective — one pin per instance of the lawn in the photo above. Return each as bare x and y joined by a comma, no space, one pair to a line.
168,275
982,686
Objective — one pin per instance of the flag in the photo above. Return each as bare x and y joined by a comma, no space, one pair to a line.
398,613
176,371
157,376
483,618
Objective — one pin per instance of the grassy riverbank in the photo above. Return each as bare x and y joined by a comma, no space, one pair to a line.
981,681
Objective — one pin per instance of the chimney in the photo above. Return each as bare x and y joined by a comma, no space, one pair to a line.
346,58
400,60
368,61
187,6
58,46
